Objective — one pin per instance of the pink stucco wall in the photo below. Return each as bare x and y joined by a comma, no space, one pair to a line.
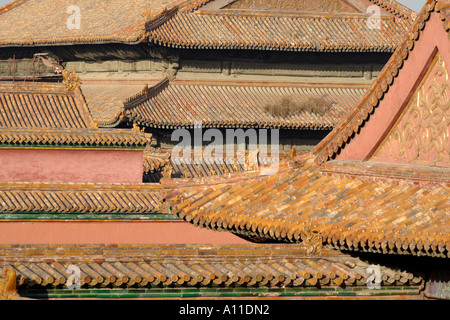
371,135
111,232
64,165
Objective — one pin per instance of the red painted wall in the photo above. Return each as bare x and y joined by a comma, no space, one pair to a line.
63,165
398,95
110,232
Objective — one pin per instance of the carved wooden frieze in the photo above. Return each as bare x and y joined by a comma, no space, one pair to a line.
421,134
292,5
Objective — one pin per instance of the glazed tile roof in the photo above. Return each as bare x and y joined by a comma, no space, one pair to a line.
155,160
377,209
181,24
159,163
226,29
396,8
73,137
28,23
105,99
168,266
60,198
50,114
348,204
359,114
42,105
175,104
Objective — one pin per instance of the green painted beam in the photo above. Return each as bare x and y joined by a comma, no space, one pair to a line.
83,216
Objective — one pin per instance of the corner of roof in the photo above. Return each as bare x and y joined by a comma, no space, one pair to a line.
154,20
192,5
145,94
396,8
81,101
11,5
349,126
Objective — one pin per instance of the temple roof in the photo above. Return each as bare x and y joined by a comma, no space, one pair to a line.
206,24
106,98
373,208
357,118
232,104
46,22
73,137
42,105
53,114
156,160
316,29
389,202
81,198
267,267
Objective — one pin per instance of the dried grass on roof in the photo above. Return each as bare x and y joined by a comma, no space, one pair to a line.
287,106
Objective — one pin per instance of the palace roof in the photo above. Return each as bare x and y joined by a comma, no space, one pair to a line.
374,208
106,98
165,269
356,119
42,105
321,25
227,104
158,160
80,198
92,137
366,186
51,114
274,30
46,22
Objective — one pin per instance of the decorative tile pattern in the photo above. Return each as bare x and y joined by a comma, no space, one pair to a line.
318,31
343,132
52,198
422,133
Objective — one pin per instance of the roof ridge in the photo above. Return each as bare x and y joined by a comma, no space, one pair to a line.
396,8
163,15
57,186
7,7
85,137
145,94
268,83
392,6
413,174
192,5
287,14
342,133
22,86
233,35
